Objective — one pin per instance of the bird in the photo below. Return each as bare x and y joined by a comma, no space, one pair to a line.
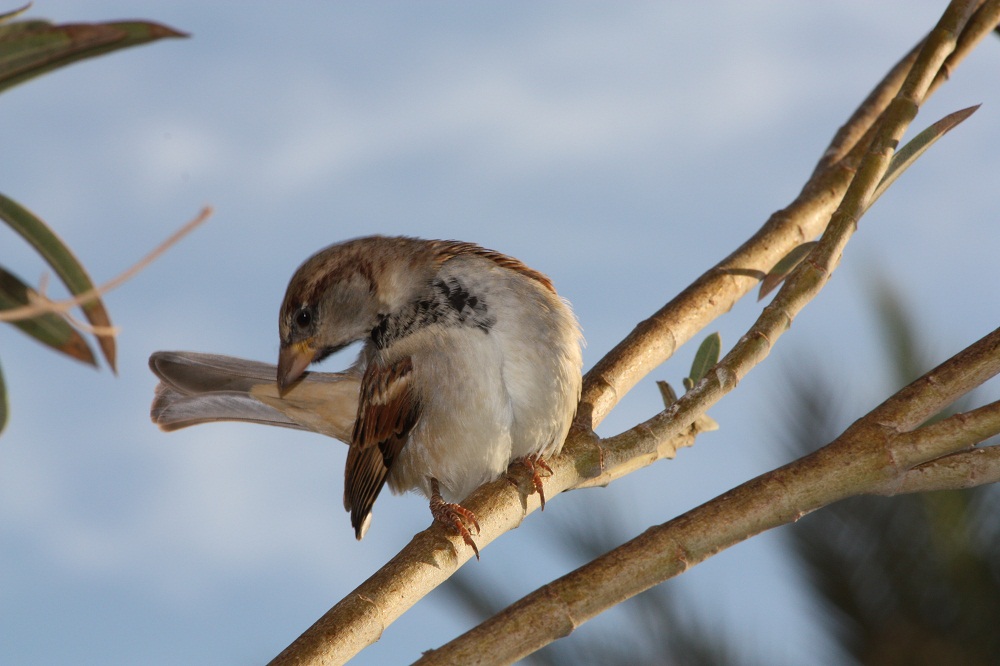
469,362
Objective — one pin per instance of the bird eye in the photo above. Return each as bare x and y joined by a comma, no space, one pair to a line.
303,318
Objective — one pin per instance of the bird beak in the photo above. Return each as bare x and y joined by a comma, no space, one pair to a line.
293,360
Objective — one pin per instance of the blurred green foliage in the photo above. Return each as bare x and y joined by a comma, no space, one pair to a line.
29,48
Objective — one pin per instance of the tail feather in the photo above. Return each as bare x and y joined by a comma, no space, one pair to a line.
204,388
194,373
173,410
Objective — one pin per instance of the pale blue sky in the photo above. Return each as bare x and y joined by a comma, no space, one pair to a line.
622,148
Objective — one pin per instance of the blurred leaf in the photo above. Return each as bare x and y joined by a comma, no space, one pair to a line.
913,579
4,408
706,357
909,153
666,392
900,334
50,328
784,267
66,266
6,16
30,48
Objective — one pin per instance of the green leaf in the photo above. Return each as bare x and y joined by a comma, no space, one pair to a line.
666,392
909,153
706,357
66,266
4,406
31,48
784,267
50,329
6,16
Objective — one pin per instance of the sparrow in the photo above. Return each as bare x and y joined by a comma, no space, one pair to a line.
469,362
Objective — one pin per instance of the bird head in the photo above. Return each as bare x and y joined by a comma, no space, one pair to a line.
330,302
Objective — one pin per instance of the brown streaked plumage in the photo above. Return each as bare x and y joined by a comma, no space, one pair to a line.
380,431
470,360
447,249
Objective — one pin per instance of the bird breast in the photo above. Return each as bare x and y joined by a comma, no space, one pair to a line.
496,368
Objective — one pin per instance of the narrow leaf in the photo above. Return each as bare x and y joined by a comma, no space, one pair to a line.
66,266
6,16
909,153
666,392
4,405
50,329
784,267
706,357
30,48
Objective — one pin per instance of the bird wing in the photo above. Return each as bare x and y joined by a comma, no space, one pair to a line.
387,411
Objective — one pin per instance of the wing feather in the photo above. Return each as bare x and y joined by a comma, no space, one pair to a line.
387,411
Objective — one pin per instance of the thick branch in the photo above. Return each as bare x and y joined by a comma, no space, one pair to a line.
430,558
862,460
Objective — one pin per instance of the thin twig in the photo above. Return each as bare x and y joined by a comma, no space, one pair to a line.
857,130
959,431
806,281
967,469
42,305
655,339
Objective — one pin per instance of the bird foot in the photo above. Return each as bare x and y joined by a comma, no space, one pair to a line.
455,517
535,464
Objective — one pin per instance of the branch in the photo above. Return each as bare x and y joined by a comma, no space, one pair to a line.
434,554
430,558
43,305
967,469
655,339
862,460
811,275
932,454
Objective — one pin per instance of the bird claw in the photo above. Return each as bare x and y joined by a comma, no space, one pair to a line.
533,463
456,518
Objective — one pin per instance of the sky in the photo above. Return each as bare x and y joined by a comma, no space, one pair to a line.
621,148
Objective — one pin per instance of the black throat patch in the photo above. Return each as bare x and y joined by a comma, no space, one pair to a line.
448,303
